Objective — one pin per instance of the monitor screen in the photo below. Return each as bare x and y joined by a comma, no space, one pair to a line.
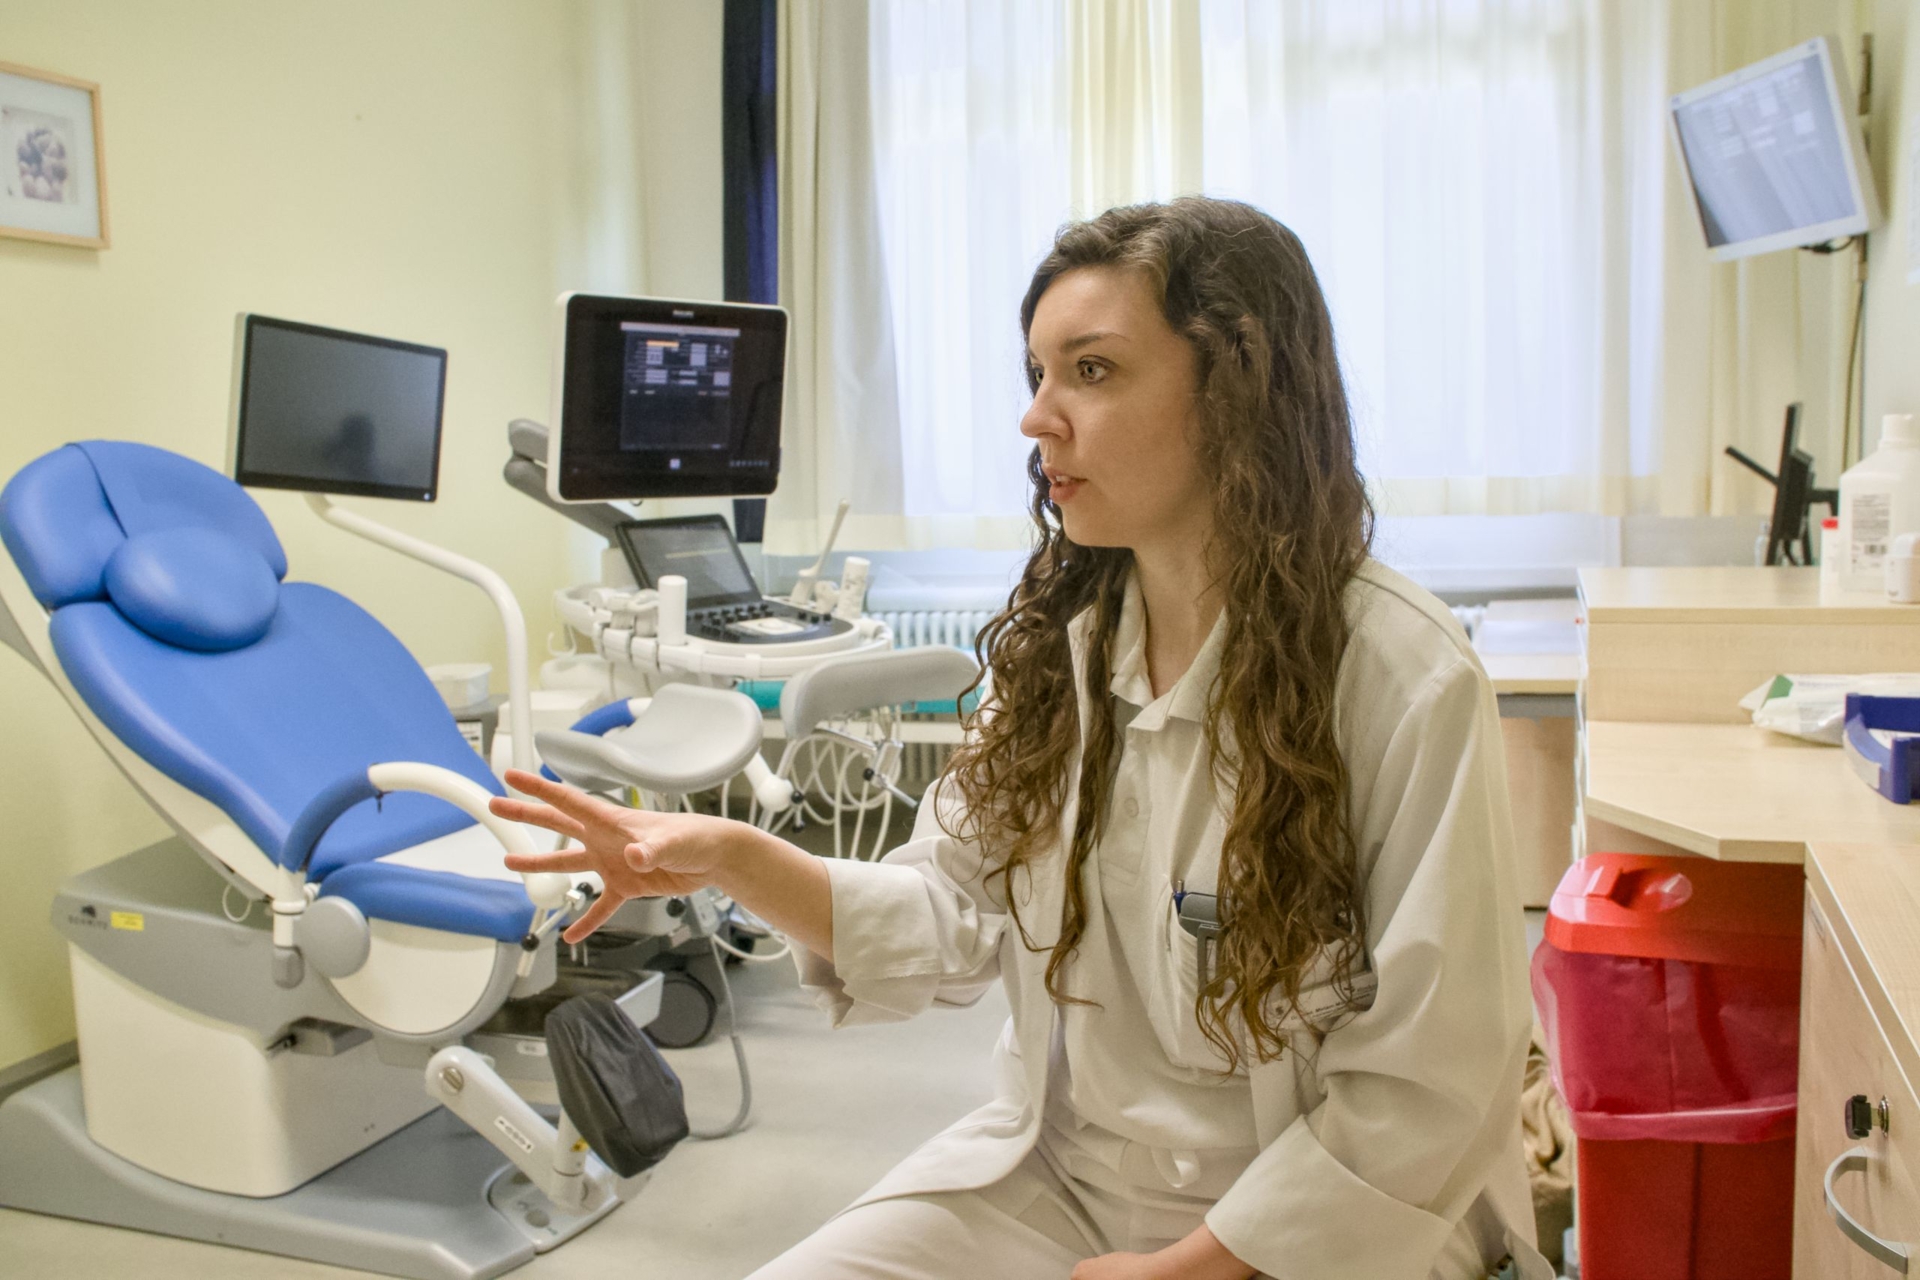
665,399
700,549
1773,156
332,412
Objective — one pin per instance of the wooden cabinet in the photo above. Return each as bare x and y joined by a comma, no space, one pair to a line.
1843,1052
1540,769
1538,712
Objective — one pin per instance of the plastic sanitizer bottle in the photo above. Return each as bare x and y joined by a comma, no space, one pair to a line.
1879,501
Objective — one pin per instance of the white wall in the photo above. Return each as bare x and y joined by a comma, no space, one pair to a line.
680,147
647,154
649,174
433,171
1893,305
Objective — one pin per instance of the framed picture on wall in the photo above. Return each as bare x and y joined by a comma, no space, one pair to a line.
53,180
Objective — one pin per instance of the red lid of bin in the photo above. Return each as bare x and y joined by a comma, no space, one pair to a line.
1632,904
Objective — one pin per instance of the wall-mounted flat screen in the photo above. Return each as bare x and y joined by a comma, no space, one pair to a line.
327,411
1774,154
656,398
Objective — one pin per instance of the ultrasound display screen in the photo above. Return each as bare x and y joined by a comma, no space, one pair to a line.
665,399
326,411
679,387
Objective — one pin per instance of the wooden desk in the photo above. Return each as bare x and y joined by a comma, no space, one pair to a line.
1687,644
1545,609
1731,792
1671,764
1542,674
1720,593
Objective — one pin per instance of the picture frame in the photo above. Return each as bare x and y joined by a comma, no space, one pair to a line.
53,177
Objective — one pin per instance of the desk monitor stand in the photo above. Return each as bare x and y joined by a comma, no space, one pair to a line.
1793,494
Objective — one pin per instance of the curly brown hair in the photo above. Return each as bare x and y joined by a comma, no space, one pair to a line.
1292,524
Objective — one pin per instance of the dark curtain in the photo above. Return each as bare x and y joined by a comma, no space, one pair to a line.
751,180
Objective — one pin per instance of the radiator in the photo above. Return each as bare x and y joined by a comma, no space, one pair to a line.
956,627
922,762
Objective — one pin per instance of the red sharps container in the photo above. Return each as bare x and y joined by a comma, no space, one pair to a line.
1670,993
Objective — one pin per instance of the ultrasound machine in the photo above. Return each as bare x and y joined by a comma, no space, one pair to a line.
655,399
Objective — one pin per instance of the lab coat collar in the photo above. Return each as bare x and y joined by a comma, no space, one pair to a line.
1187,700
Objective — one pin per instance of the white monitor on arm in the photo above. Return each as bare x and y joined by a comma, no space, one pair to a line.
1774,154
658,398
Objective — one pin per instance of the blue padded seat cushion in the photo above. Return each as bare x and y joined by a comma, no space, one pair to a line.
602,720
497,909
60,529
260,731
193,588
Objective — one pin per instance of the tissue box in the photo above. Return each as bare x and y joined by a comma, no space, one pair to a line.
461,684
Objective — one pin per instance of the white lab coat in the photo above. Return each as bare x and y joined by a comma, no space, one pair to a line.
1403,1126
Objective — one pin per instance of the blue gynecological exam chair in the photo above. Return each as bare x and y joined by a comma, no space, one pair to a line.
312,1021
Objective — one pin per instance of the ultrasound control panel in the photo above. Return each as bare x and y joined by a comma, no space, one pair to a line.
762,622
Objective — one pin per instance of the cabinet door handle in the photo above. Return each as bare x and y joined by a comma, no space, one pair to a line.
1886,1252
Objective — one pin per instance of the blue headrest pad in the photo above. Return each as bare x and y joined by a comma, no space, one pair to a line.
193,588
60,529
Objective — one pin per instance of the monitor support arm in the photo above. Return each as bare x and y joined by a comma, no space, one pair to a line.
512,620
526,471
1752,466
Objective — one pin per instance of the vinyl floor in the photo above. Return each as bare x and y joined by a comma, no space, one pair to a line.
833,1111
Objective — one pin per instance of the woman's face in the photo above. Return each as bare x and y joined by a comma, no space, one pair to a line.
1114,415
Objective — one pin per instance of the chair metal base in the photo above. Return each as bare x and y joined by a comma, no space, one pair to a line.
431,1202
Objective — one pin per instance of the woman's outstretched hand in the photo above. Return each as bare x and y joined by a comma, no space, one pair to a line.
636,853
1198,1256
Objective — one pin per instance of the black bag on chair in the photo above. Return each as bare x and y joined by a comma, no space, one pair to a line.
615,1086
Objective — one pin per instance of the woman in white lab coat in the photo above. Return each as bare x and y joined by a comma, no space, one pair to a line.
1207,701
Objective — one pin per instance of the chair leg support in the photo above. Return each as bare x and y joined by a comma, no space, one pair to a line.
555,1159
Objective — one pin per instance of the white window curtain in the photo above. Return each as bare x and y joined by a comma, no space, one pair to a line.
1527,319
1467,195
1526,311
841,437
970,152
924,169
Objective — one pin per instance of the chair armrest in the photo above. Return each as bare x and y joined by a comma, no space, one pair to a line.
547,889
321,812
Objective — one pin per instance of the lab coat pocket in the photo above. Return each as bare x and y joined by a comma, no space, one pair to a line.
1324,1004
1173,1001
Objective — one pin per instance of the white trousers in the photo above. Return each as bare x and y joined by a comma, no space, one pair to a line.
1034,1224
